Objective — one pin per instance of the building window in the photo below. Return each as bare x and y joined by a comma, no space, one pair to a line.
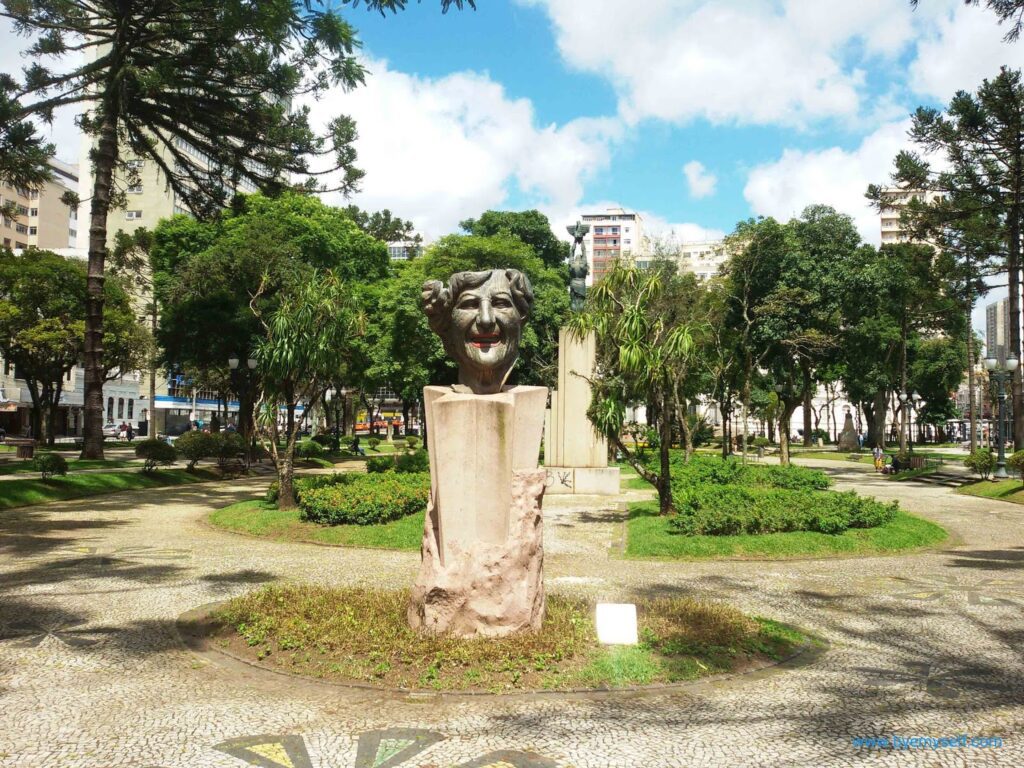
135,163
135,189
18,244
131,407
33,194
33,230
7,242
21,229
33,211
110,409
72,234
131,215
120,407
23,210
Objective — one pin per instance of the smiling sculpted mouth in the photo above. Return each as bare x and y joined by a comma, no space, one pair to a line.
481,340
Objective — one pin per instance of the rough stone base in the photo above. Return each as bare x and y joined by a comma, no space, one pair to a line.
488,590
596,481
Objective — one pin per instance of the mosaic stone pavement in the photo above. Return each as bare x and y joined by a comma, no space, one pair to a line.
94,675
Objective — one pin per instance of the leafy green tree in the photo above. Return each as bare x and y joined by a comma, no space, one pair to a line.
42,321
218,278
382,225
305,342
202,90
980,180
937,370
644,342
532,227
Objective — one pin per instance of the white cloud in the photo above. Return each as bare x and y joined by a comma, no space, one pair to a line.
959,48
699,180
731,61
441,150
832,176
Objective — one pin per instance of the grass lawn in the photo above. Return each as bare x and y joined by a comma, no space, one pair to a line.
650,536
361,635
260,518
22,493
25,467
1003,490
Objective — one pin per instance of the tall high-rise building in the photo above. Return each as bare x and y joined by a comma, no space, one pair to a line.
614,234
997,329
42,219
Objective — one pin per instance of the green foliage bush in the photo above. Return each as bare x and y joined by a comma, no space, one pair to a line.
50,464
229,445
704,470
716,497
323,439
309,449
412,441
1016,463
373,442
417,461
155,452
377,464
301,484
195,446
727,510
761,442
365,499
981,461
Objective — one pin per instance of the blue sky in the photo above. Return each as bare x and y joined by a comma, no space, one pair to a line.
572,105
696,113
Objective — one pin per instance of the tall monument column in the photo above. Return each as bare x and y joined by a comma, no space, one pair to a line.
575,455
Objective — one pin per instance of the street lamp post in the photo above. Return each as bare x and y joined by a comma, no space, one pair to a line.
1001,375
243,418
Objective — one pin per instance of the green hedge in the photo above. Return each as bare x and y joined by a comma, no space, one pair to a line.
50,464
366,499
417,461
727,510
710,470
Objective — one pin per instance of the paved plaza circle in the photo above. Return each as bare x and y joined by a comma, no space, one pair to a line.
93,673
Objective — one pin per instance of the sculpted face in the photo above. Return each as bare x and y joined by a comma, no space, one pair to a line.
479,317
485,328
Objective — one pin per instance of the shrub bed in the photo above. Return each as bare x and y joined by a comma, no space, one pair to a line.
726,510
716,497
365,499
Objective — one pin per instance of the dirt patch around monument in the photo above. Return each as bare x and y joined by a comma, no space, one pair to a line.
361,637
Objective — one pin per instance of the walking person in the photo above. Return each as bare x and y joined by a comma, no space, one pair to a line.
879,457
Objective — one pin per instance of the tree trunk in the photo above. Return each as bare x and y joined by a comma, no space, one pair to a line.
972,406
665,475
286,486
807,406
1013,274
784,425
105,157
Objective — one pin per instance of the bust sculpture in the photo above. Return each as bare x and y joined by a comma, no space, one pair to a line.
479,317
578,269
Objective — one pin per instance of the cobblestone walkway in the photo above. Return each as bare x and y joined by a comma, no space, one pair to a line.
92,674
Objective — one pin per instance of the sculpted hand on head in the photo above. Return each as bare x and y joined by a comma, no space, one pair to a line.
479,317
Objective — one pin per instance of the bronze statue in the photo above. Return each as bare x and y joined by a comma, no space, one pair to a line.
479,317
578,269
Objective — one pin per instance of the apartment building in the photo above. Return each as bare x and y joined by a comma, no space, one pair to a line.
892,229
704,259
997,329
42,219
614,234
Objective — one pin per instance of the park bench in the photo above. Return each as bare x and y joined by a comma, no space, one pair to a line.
233,466
26,446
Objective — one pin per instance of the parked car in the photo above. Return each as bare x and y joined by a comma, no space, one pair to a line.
111,431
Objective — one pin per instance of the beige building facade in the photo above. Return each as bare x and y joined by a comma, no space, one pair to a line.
616,233
42,219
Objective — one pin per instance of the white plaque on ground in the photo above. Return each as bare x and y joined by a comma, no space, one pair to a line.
616,624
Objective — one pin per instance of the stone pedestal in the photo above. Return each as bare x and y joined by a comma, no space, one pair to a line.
575,455
848,437
481,573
